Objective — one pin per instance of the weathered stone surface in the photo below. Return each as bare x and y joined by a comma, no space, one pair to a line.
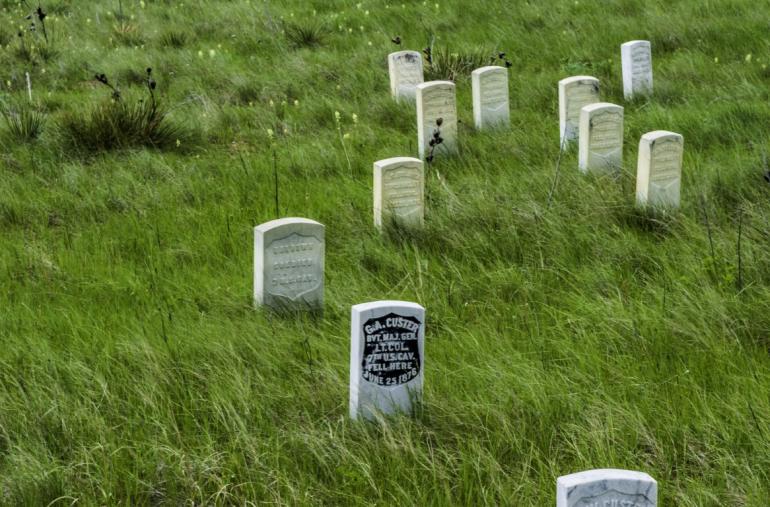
387,354
607,488
574,94
490,97
289,264
636,58
399,191
659,169
436,101
601,138
405,68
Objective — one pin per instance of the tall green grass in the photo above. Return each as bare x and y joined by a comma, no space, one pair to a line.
584,334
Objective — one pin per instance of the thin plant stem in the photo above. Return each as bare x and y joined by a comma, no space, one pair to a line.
558,167
275,175
740,254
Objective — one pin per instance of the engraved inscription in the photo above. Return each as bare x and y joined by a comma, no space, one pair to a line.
391,350
614,498
666,162
440,103
578,96
408,70
294,266
641,67
402,192
494,92
606,132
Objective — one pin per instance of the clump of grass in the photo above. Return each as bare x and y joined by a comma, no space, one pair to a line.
40,43
119,123
24,122
444,63
306,34
174,39
127,34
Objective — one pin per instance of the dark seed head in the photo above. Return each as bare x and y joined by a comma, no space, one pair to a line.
439,121
501,55
508,64
149,70
432,142
767,176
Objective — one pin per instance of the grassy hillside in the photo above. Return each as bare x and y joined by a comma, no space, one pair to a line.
584,334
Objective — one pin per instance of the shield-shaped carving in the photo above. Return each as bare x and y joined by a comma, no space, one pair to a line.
295,266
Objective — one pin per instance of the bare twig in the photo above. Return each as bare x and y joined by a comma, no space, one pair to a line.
558,167
740,256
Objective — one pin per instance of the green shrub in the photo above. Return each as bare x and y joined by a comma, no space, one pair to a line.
309,34
118,124
24,122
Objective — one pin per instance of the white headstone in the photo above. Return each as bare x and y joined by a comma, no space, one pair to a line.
574,94
406,73
607,488
601,138
387,354
399,188
289,264
659,170
436,100
490,97
636,58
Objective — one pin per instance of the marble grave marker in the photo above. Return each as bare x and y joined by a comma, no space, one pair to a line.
659,169
636,58
601,138
607,488
399,189
289,264
405,68
574,93
490,97
436,100
387,357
